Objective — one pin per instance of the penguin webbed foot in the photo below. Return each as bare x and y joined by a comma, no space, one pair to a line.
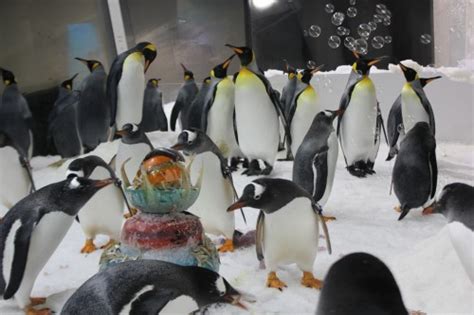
328,218
30,310
228,246
34,301
354,171
274,282
253,170
268,169
88,247
308,280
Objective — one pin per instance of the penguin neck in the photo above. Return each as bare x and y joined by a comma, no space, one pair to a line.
252,66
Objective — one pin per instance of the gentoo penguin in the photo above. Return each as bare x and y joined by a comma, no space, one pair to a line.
304,108
32,230
289,89
185,97
287,227
257,108
152,287
63,131
456,203
134,145
360,284
126,84
93,111
154,117
103,213
410,107
415,172
360,125
217,187
197,106
316,158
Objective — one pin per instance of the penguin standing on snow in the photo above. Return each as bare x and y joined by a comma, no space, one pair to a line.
415,172
257,108
409,108
103,213
456,203
126,84
62,121
154,117
217,187
360,125
360,283
197,106
32,230
152,287
93,112
182,105
316,158
287,227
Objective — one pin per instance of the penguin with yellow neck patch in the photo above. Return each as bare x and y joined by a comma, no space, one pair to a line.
360,125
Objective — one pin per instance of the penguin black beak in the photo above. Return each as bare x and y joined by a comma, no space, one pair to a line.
147,65
178,147
226,63
376,60
120,133
73,77
184,67
425,81
317,69
403,67
102,183
82,60
237,205
237,50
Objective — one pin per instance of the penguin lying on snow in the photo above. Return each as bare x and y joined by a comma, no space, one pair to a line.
360,284
154,117
287,227
185,97
415,172
31,231
152,287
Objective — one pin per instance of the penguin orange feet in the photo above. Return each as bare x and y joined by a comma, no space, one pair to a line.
274,282
398,209
328,218
131,213
310,281
30,310
428,210
228,246
37,301
88,247
110,243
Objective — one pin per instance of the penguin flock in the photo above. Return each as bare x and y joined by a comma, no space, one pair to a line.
227,124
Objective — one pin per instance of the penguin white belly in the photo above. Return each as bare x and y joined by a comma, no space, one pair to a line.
103,213
332,161
15,184
463,242
412,109
45,238
9,250
291,235
256,118
214,198
358,125
136,152
181,305
130,91
306,109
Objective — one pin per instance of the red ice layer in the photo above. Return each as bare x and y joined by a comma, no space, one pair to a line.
152,232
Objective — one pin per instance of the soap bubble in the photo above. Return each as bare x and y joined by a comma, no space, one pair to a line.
349,42
388,39
360,46
387,13
337,18
351,12
425,39
372,25
352,2
329,8
378,18
314,31
311,64
378,42
381,8
387,21
334,41
341,31
364,30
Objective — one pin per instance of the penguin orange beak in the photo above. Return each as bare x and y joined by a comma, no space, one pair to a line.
430,210
120,133
237,205
147,65
226,63
237,50
104,182
317,69
404,68
376,60
178,147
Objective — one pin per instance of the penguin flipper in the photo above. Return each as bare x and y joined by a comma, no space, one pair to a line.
152,302
115,74
206,109
380,122
434,172
394,120
321,166
177,108
259,236
319,217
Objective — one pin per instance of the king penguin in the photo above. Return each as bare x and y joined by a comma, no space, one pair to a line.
217,187
409,108
32,230
126,84
185,97
360,125
154,117
288,92
257,108
103,213
315,161
63,131
415,172
360,284
197,106
287,227
93,112
152,287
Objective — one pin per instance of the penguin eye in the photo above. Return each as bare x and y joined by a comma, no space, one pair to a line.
190,141
257,197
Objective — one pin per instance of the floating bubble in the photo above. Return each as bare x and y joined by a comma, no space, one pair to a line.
380,8
364,30
349,42
378,18
372,25
341,30
425,39
361,46
378,42
352,2
387,13
387,21
351,12
337,18
387,39
311,64
334,41
314,31
329,8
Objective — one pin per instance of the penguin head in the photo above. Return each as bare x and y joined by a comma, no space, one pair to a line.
362,66
91,64
68,83
451,197
77,191
129,131
193,141
326,117
83,167
255,195
149,52
425,81
409,73
188,74
307,74
220,71
8,77
153,82
290,70
246,54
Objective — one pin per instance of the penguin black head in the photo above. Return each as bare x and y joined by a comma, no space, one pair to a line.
83,167
77,190
360,283
307,74
188,74
220,71
153,82
8,77
91,64
193,141
326,117
149,52
133,134
290,70
409,73
245,54
362,65
68,83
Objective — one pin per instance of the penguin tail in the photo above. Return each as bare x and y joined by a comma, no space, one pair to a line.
405,211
